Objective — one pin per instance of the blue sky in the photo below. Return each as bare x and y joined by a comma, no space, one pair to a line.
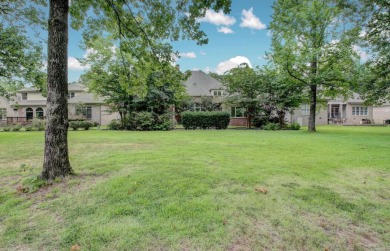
238,37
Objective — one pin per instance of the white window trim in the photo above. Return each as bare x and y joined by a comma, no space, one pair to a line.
196,107
361,110
235,112
3,114
305,109
80,111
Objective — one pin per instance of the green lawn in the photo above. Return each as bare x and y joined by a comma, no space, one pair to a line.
195,190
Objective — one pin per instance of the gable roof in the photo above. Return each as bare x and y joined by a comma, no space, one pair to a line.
76,87
86,98
201,84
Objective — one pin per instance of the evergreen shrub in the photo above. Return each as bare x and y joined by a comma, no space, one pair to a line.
205,120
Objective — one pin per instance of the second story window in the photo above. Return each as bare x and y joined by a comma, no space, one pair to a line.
217,93
24,96
70,95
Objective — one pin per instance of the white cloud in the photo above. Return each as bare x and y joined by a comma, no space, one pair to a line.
232,63
207,69
363,54
225,30
217,18
188,54
202,53
88,52
362,33
195,69
249,20
74,64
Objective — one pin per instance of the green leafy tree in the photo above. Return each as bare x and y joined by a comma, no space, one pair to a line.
280,94
140,28
376,78
20,58
243,85
158,88
313,41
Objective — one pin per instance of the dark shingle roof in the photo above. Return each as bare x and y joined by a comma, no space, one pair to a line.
200,84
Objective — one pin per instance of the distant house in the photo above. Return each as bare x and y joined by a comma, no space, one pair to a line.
29,103
201,85
351,111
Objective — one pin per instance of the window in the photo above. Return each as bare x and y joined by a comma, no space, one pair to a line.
217,93
3,114
196,107
39,112
85,111
24,96
238,112
29,113
305,108
70,95
359,111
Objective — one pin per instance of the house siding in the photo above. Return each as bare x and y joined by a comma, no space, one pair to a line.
381,113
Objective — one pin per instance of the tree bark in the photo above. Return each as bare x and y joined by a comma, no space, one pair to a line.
56,158
313,107
281,116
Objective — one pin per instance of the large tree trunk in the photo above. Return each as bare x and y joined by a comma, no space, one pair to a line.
56,159
281,116
313,106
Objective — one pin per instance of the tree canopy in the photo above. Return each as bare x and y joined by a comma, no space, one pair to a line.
140,29
21,58
312,40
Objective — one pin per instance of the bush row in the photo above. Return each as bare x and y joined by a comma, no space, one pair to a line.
205,120
76,124
35,125
143,121
276,126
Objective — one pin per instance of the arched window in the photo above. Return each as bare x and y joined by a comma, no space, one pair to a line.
39,112
196,107
29,113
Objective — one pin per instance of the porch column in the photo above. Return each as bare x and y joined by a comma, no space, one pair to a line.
341,111
329,113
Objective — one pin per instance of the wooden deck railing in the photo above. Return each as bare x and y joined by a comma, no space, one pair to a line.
21,120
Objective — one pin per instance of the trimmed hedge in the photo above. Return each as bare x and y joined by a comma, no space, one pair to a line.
205,120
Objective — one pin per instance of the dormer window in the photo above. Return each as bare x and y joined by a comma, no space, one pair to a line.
217,93
24,96
70,95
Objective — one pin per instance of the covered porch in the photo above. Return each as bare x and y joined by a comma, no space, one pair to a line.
337,113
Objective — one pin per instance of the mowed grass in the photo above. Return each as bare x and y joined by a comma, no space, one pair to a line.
195,190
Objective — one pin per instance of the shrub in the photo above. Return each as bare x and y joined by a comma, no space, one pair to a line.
387,121
86,124
28,128
163,122
6,129
294,126
271,126
38,124
115,124
259,121
205,120
144,120
16,127
74,125
80,124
